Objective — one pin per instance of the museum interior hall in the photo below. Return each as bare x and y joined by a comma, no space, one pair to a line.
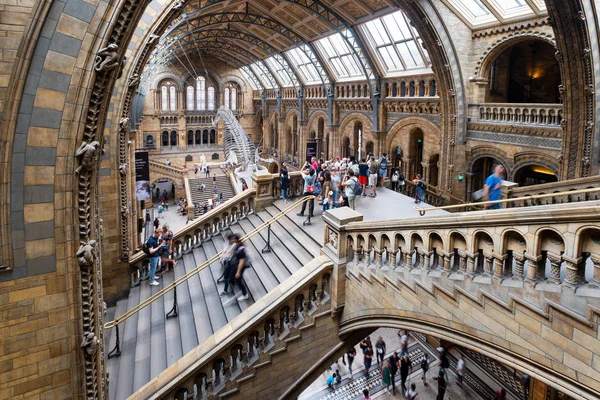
300,199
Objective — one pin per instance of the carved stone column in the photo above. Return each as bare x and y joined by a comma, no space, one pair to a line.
470,264
519,266
447,265
427,260
426,170
392,259
489,262
377,263
596,274
571,277
462,261
408,259
532,269
439,259
499,269
555,261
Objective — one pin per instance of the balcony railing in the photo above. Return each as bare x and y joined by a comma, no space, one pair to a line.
537,114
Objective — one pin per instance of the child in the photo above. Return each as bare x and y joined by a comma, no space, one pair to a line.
366,395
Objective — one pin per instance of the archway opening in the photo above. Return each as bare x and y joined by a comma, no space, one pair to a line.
482,168
346,147
165,138
434,169
526,72
173,138
357,140
534,175
416,151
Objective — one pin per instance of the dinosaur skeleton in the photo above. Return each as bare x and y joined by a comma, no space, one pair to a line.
240,151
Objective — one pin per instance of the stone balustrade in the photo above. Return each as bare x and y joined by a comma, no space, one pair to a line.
552,248
169,120
201,229
410,86
435,196
538,114
168,170
230,358
556,187
199,119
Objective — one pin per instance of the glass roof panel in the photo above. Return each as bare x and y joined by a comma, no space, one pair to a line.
339,56
476,13
399,48
304,66
474,7
260,70
280,71
248,78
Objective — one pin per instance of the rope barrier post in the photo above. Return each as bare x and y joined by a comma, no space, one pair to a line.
174,311
116,352
268,248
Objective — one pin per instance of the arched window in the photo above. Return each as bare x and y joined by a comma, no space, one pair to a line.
164,99
226,98
172,98
201,93
189,97
233,99
211,98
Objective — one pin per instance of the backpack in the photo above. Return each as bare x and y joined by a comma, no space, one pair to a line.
395,177
422,186
401,177
146,248
383,163
357,187
318,188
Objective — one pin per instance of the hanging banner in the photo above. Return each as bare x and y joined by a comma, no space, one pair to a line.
142,176
311,150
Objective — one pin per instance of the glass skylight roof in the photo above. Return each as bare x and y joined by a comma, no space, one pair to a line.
280,71
478,13
397,43
250,78
340,57
304,66
261,71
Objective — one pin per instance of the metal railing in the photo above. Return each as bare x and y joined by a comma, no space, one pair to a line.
173,286
422,211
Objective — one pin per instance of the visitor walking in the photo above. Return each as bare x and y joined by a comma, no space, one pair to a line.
237,263
394,364
207,172
349,184
442,385
411,394
380,346
386,375
363,170
460,370
373,170
310,177
424,369
492,188
326,192
151,248
421,188
284,180
500,394
405,370
383,166
350,354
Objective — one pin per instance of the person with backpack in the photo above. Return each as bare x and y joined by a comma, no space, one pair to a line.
151,247
424,369
235,268
405,370
421,188
442,385
373,170
284,180
351,188
401,183
395,179
411,394
350,354
383,166
380,346
310,177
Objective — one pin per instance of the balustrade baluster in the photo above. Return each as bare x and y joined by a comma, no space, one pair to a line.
447,265
555,261
420,259
470,264
391,259
489,262
596,273
499,269
462,261
377,263
427,260
408,259
519,266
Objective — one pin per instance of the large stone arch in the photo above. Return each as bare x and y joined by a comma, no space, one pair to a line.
489,326
487,151
534,158
367,135
163,76
503,43
399,135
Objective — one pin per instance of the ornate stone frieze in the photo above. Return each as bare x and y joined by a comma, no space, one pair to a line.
517,129
521,25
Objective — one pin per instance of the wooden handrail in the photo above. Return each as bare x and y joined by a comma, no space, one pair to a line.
422,211
184,278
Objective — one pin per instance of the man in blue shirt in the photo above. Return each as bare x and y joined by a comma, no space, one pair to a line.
492,188
153,247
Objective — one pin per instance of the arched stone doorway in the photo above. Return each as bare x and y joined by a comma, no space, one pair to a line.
434,170
346,147
534,175
165,139
173,138
416,152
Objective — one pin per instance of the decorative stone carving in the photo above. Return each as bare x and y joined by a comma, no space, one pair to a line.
86,254
107,58
333,239
90,343
123,170
86,153
134,81
124,123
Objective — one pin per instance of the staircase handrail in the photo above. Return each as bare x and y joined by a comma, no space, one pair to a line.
559,185
198,222
129,313
422,210
439,192
170,168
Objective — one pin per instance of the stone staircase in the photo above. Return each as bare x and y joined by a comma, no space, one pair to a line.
223,186
151,342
